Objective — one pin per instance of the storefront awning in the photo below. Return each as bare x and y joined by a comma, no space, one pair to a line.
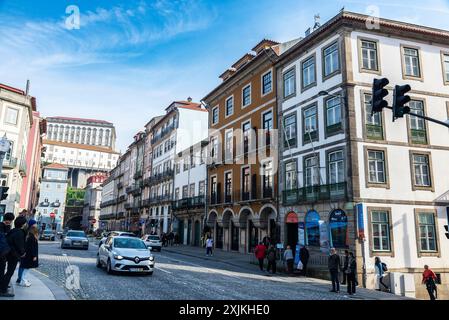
291,217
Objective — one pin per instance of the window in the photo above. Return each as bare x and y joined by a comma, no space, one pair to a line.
215,115
229,146
417,125
246,96
192,190
333,115
213,190
411,62
331,59
338,228
289,83
228,187
310,124
214,148
192,161
311,172
380,226
312,228
446,68
185,191
246,128
11,116
369,55
201,188
421,170
376,167
308,73
290,130
245,183
336,167
177,194
267,124
373,122
229,106
267,179
427,232
267,83
290,176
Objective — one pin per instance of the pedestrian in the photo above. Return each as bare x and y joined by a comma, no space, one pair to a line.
30,260
209,246
5,227
288,258
334,267
271,257
171,238
16,243
380,268
429,278
350,272
164,239
260,253
345,266
304,258
177,238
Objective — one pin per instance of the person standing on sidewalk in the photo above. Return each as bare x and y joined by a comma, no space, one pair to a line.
429,278
304,257
209,246
271,257
5,227
345,266
260,253
288,258
30,261
334,267
351,273
16,242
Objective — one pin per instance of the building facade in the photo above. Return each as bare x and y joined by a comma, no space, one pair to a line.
357,181
92,201
52,201
85,146
16,121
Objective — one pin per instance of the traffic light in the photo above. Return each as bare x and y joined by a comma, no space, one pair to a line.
399,101
3,193
379,93
447,231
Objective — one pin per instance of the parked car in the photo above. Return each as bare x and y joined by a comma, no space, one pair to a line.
47,235
125,254
115,234
153,241
75,239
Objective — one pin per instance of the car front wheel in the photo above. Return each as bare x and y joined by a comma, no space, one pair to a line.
98,262
109,267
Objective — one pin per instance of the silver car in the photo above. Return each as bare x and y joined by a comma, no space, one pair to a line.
153,241
75,239
125,254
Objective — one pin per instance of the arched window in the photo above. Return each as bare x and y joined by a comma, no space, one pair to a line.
72,134
312,228
61,133
83,135
66,134
100,137
94,136
49,131
88,135
78,133
106,138
338,226
55,132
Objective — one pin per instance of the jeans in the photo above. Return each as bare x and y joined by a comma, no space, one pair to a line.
345,277
271,266
12,264
335,280
351,282
209,250
260,264
290,266
20,274
304,268
382,283
431,288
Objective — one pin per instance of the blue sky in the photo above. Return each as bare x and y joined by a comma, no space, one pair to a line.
130,59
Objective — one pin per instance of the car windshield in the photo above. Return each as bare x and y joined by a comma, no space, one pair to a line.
79,234
129,243
127,235
154,238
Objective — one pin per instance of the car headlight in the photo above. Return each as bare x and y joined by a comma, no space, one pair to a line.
85,241
151,258
118,257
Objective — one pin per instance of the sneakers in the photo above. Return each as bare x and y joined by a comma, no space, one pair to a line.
7,294
25,283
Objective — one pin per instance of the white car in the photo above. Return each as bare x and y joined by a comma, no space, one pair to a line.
115,234
153,241
125,254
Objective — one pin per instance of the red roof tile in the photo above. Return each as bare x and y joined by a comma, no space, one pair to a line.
4,86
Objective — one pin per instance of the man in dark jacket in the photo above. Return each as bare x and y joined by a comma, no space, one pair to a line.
334,266
271,257
345,266
304,257
5,227
16,242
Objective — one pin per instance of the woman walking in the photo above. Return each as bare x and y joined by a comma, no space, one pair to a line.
350,273
30,261
380,268
428,278
260,253
288,258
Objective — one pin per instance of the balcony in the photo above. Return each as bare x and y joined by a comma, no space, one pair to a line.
128,205
164,132
162,198
166,175
10,163
335,191
146,182
55,204
138,174
44,204
188,203
146,203
135,189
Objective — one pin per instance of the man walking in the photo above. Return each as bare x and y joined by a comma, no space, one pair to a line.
334,267
16,242
304,258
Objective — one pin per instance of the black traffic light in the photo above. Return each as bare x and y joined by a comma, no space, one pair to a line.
3,193
379,93
447,231
400,100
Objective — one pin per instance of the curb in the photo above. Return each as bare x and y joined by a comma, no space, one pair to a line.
57,291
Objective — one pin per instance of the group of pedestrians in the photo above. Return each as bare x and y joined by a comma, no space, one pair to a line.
18,244
168,239
262,252
349,270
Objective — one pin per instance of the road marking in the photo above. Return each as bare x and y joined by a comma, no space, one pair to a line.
162,270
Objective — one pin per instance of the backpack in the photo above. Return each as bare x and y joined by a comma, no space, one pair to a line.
384,267
4,246
271,255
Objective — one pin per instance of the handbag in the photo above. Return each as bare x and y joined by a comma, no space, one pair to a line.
300,265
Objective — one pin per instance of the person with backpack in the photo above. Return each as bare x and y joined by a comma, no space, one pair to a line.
429,278
30,260
16,243
334,267
380,269
350,272
271,257
260,253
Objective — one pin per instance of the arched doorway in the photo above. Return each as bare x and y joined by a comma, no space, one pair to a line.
75,223
226,223
234,237
312,228
181,231
338,229
291,221
189,231
197,237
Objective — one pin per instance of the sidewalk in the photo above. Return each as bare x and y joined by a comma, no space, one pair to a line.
41,288
248,262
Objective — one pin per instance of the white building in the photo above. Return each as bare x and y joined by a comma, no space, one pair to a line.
362,182
190,191
85,146
184,124
16,119
92,201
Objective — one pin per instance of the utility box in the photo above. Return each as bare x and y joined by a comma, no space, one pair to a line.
402,284
409,285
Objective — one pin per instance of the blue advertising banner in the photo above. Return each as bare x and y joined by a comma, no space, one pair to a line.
298,247
301,234
360,222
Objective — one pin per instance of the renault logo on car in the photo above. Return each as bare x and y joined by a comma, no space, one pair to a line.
136,260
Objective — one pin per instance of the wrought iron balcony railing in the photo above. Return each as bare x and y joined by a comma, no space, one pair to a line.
188,203
335,191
